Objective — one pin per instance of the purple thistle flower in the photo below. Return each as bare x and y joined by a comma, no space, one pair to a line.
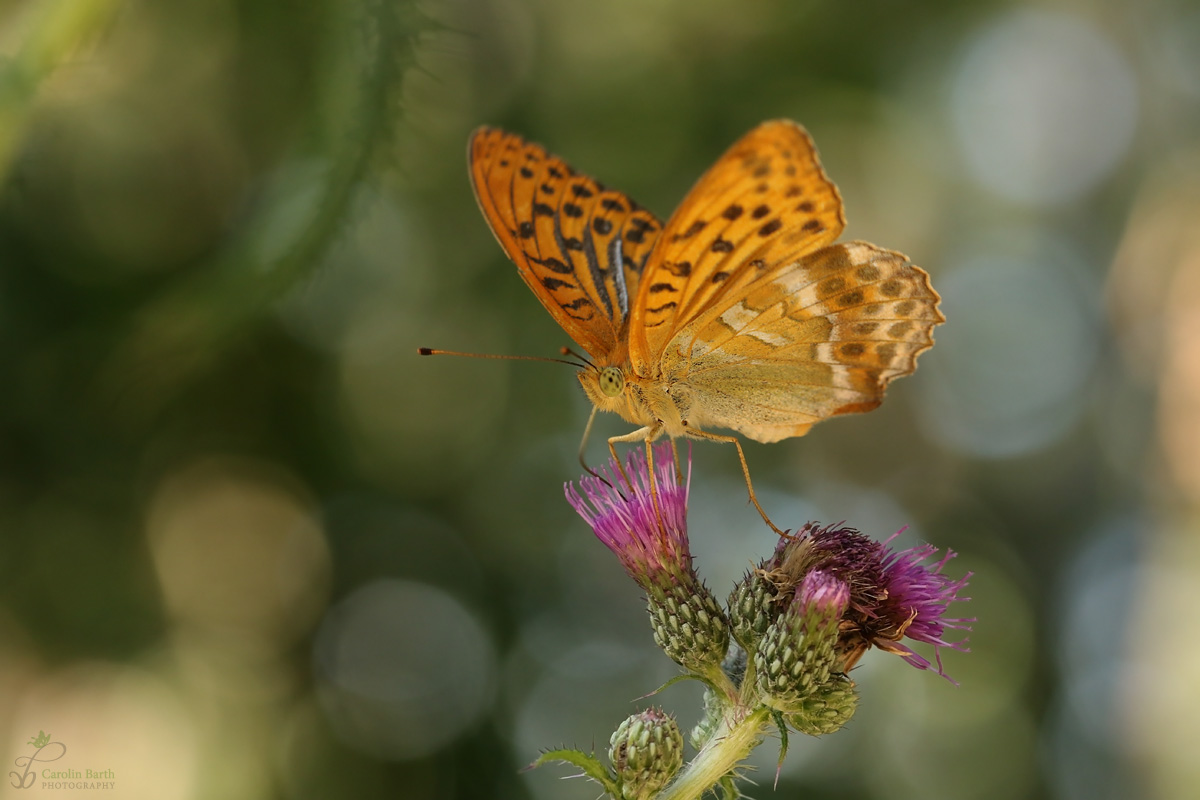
915,602
892,594
649,537
843,553
623,516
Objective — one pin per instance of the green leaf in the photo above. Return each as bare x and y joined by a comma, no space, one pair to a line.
690,676
590,765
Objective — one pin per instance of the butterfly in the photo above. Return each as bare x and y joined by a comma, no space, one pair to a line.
739,312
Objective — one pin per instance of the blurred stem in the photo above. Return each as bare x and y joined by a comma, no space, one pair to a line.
389,45
730,744
181,333
58,29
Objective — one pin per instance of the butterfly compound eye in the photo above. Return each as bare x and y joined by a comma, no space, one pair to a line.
612,382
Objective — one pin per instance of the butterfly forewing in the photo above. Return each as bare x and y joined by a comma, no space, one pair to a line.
580,247
764,203
812,339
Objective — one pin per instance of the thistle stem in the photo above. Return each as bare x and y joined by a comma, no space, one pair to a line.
728,747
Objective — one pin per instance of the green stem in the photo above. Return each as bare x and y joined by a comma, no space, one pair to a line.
727,748
721,684
748,693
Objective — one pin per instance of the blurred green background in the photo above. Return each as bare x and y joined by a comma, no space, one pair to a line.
251,546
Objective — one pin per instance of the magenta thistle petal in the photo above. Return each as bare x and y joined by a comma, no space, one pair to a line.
917,598
623,516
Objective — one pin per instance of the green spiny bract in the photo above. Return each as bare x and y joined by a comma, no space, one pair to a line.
688,624
827,710
752,608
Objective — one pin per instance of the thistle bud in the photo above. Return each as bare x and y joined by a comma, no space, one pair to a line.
798,655
689,625
646,751
827,710
753,606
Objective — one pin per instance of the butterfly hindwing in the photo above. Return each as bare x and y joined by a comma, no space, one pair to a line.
819,337
579,247
766,202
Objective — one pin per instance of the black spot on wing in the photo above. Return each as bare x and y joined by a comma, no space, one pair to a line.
553,264
771,227
595,271
692,230
555,283
850,298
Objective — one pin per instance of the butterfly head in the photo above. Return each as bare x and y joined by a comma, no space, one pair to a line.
605,387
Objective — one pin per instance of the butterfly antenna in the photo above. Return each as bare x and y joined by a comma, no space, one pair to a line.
566,351
429,351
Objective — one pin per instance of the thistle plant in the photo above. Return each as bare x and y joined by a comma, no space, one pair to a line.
778,657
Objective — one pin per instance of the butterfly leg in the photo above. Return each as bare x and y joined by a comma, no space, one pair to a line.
716,437
678,468
647,434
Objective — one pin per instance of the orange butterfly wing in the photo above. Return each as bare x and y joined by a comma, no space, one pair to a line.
580,247
764,203
756,320
818,337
